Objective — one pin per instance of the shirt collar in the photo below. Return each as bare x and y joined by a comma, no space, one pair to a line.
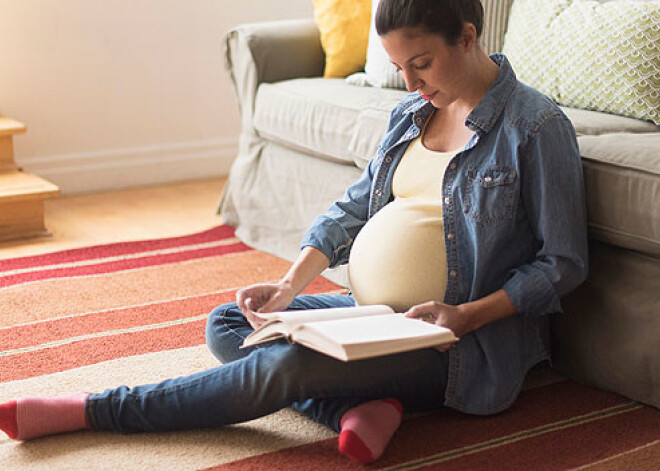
487,111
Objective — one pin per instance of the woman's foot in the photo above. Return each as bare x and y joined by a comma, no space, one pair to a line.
368,428
33,417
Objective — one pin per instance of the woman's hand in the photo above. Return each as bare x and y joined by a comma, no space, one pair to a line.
271,297
466,317
264,297
444,315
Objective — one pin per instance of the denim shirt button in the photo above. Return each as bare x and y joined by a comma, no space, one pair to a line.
447,200
453,273
388,159
452,166
450,236
378,192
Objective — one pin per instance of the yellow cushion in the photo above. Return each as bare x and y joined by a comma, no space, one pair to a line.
344,28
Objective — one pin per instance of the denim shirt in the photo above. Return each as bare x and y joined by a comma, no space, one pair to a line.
514,218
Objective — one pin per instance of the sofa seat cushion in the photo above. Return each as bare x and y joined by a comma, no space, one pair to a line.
592,123
325,117
622,179
337,121
334,120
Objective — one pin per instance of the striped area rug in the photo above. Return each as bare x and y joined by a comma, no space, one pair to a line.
132,313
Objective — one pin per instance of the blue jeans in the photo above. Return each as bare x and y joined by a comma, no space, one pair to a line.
257,381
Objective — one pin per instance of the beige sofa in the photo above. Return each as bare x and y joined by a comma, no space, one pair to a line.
304,139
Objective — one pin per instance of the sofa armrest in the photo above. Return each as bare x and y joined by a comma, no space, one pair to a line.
269,52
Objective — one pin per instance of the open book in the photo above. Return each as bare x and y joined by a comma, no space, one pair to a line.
350,333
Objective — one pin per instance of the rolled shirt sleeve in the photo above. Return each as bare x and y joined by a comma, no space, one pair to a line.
334,231
552,192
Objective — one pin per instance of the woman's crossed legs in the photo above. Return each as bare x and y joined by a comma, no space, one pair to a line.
257,381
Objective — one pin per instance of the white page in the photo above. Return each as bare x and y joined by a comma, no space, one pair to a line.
294,318
377,329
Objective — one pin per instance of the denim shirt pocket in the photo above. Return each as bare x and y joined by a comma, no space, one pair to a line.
489,194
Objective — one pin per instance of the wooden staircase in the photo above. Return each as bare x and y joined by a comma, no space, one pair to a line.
22,194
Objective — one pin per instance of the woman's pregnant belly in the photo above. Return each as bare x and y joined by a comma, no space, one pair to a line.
398,258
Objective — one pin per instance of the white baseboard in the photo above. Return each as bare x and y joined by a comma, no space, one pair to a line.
138,166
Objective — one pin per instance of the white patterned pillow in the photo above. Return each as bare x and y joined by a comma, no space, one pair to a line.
379,71
595,55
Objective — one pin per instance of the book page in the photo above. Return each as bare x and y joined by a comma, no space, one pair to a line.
281,324
377,329
266,333
363,337
294,318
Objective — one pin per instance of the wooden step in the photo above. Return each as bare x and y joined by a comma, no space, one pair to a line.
22,186
22,196
9,127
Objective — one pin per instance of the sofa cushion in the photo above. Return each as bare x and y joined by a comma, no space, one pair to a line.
590,55
622,178
593,123
323,117
338,121
343,31
378,70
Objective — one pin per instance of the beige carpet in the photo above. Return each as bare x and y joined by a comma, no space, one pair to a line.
85,320
134,313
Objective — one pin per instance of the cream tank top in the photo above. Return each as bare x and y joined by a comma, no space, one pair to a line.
399,258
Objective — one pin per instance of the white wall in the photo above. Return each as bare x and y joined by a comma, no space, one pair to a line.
119,93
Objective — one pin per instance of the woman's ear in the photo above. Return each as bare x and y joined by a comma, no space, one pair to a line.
468,38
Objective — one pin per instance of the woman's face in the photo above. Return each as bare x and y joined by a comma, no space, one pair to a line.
429,65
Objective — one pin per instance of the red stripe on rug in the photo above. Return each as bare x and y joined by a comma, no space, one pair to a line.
110,267
567,448
91,351
112,250
113,319
103,348
441,432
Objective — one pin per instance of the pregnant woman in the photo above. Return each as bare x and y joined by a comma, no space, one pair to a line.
472,212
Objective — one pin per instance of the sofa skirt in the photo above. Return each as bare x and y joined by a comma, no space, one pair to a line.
608,335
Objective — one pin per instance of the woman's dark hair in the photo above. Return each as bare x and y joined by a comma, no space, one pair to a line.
444,17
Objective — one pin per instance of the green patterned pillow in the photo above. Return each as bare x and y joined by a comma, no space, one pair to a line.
589,54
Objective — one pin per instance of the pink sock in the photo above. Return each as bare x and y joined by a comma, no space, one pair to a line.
33,417
367,429
8,419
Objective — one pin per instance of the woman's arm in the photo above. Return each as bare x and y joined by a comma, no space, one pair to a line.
553,199
271,297
488,309
333,232
310,263
466,317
